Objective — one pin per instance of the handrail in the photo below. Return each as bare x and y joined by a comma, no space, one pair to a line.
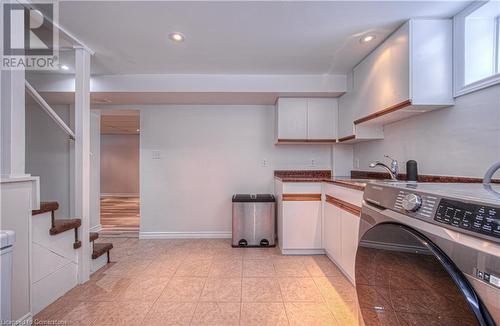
46,107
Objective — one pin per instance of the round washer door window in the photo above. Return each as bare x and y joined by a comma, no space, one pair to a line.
403,279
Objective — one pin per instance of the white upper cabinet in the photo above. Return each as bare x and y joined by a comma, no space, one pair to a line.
306,120
291,117
409,73
321,118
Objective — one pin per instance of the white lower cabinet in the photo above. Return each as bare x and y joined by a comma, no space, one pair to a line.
340,237
302,225
331,231
349,225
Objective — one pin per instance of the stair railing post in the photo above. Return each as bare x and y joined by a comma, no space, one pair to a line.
82,158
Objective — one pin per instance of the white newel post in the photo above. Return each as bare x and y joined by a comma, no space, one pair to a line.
12,124
82,157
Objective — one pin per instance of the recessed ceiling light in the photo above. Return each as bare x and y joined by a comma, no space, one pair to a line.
64,67
176,37
367,38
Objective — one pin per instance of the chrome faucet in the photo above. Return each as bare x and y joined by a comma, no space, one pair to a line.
393,169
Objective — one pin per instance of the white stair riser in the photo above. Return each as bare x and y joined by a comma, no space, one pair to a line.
61,244
53,286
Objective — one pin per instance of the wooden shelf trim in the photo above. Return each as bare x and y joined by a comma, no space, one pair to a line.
348,207
314,141
346,138
301,197
382,112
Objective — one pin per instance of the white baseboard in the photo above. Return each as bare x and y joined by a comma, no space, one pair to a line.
303,251
185,235
24,320
96,228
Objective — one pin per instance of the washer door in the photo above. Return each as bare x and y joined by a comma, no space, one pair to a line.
402,278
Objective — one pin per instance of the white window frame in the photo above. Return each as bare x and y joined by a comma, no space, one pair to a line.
459,86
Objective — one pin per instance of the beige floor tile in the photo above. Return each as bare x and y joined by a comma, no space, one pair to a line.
259,253
163,267
143,289
321,266
130,267
170,313
258,268
81,314
51,309
222,290
290,267
183,289
336,288
300,289
217,314
121,313
345,312
263,314
217,277
198,268
316,314
104,289
261,290
226,268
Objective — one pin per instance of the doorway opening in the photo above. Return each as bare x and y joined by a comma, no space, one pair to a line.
119,177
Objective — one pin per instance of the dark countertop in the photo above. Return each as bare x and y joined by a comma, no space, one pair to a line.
348,182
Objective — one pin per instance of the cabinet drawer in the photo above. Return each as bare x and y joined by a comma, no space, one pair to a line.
351,196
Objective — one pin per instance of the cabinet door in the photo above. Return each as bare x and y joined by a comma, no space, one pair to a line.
346,116
331,231
292,118
322,118
349,228
302,224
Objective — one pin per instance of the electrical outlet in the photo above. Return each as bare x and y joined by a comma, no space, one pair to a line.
156,154
264,163
313,162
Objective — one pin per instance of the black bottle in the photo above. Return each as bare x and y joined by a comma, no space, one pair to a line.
411,171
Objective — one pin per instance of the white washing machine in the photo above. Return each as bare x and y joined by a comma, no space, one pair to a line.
7,239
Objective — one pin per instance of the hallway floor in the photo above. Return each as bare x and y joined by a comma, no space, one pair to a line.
206,282
120,213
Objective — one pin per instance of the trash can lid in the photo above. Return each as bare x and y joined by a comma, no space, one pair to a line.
7,238
253,198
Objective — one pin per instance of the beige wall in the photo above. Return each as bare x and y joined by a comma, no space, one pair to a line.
120,164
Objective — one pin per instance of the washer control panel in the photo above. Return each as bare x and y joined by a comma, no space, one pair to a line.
419,205
471,217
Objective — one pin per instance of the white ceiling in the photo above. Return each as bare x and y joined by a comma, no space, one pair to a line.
131,37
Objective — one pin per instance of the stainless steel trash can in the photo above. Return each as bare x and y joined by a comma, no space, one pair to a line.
254,221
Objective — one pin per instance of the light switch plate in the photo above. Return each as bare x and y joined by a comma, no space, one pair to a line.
156,154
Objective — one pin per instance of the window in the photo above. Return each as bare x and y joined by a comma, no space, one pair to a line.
477,47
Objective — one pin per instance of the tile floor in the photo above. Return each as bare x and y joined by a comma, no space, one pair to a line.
206,282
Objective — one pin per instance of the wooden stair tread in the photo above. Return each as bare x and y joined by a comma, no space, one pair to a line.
61,225
93,236
100,249
46,206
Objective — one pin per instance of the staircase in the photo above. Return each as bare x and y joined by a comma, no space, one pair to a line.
55,257
98,251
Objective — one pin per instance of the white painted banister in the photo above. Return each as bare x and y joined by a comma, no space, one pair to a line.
46,107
